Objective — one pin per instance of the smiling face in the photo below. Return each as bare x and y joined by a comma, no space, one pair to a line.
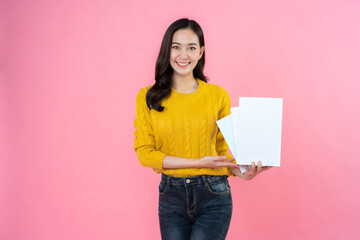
185,52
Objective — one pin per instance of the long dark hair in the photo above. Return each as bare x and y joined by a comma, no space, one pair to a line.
163,70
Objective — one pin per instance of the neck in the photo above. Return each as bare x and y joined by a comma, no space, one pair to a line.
184,83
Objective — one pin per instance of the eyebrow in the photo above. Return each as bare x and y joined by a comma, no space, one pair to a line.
180,44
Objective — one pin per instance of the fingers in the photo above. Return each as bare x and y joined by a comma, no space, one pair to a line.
217,158
259,166
230,160
229,165
223,159
253,167
253,170
225,163
233,165
262,168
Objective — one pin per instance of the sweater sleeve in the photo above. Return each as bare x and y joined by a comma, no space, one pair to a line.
144,143
221,145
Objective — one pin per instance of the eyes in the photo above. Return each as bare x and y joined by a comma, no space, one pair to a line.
190,48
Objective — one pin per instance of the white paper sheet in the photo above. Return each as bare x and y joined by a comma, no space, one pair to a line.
258,132
234,114
226,126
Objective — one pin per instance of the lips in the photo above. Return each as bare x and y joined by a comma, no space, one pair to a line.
182,64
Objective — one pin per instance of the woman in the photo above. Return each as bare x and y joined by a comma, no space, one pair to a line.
176,134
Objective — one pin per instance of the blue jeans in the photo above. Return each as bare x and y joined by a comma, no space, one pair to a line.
194,208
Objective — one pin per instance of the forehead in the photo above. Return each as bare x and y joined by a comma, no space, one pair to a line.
185,36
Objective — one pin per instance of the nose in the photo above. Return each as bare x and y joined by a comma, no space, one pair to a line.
183,54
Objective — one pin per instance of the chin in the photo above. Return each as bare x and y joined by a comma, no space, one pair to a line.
183,73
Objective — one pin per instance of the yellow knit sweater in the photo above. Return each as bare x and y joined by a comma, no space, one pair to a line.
186,128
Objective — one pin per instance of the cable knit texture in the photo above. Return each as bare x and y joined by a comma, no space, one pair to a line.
186,128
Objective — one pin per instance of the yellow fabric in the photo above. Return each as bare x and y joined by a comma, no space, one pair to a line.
186,128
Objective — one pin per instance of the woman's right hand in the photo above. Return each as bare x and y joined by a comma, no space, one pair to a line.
217,162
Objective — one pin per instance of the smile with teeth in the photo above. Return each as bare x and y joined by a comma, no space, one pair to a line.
182,64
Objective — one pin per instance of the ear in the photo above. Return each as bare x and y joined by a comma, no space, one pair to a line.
202,49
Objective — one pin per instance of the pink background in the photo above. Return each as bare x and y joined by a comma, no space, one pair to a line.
69,75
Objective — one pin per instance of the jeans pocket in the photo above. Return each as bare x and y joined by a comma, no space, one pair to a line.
162,187
219,187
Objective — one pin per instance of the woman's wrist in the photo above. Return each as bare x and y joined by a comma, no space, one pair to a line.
199,163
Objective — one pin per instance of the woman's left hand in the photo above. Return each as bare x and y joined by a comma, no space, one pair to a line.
250,174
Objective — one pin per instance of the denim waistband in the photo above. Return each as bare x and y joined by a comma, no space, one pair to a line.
192,180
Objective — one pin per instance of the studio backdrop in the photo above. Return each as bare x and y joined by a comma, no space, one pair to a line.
69,75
